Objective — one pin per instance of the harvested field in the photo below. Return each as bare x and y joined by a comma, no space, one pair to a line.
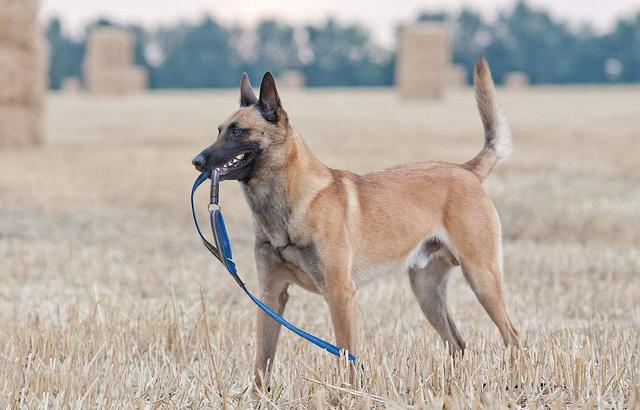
109,300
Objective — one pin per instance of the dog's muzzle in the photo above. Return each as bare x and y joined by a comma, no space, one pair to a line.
199,161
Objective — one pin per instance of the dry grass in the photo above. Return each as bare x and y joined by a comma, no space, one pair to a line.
104,285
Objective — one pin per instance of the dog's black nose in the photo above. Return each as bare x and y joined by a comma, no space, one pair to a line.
198,161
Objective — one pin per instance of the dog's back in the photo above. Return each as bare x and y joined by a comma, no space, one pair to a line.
393,212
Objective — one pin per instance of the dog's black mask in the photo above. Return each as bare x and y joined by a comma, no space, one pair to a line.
232,153
237,150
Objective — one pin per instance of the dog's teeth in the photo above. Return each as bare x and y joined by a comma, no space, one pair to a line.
235,160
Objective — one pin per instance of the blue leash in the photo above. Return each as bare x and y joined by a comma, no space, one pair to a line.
222,251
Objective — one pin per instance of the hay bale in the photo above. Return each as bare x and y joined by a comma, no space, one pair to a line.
110,47
41,84
18,22
137,79
108,66
117,81
291,79
423,59
23,74
20,126
105,82
516,80
456,76
19,68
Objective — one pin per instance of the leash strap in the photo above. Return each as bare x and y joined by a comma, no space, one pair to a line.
222,251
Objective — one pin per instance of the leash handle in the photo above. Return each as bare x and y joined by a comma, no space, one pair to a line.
222,251
210,247
215,187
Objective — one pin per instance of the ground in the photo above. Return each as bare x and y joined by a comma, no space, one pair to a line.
108,299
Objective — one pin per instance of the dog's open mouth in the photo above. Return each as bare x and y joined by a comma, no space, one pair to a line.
241,160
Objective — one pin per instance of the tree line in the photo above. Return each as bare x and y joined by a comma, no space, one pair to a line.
208,54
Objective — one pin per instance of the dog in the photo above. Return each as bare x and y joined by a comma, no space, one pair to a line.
331,231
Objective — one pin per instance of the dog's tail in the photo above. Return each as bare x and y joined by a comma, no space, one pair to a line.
497,137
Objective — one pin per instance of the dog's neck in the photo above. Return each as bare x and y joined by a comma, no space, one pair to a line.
276,193
299,175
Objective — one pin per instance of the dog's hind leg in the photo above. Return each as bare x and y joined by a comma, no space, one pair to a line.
482,267
486,283
429,285
475,240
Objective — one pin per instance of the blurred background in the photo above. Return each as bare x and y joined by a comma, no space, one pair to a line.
199,44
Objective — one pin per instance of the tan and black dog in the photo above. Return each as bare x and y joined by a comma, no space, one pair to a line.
331,231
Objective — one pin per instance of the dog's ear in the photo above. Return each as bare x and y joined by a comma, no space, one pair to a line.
269,101
247,97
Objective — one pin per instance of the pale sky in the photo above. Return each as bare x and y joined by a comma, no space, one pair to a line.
380,16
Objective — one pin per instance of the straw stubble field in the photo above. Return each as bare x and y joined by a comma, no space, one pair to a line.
107,298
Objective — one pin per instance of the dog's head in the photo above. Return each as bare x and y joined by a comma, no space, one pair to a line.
253,136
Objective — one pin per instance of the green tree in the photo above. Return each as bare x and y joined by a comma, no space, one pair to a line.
274,49
203,59
437,17
530,40
623,45
527,40
65,54
471,36
344,55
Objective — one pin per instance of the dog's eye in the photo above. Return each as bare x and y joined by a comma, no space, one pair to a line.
235,132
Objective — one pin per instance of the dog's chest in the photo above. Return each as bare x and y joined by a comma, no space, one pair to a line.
276,223
287,245
271,214
303,255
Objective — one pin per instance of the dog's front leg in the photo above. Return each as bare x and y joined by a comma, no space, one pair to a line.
273,292
340,296
341,301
